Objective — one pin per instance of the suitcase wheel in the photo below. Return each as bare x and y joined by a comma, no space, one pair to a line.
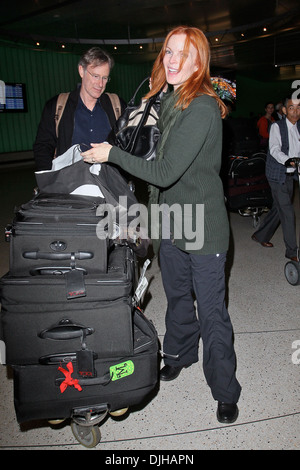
120,412
88,436
54,422
292,272
253,212
85,422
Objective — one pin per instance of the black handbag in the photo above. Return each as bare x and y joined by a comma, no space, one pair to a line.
136,130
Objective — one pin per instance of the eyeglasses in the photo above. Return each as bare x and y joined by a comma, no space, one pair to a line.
98,77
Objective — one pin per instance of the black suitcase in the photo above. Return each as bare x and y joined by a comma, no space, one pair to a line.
57,231
241,137
40,318
248,187
44,391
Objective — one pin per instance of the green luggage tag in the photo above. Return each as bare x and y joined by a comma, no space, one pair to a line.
121,370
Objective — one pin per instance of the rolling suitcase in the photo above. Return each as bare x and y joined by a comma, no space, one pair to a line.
57,231
248,191
241,136
39,317
63,389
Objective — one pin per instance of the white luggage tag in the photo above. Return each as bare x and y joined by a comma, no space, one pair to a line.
142,284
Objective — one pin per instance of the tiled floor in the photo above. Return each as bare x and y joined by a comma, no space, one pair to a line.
264,310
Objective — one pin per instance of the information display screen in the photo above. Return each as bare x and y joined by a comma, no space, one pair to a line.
13,97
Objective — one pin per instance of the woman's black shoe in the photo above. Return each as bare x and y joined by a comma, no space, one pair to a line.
168,373
227,412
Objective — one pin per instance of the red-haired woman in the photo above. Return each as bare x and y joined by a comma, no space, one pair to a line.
193,242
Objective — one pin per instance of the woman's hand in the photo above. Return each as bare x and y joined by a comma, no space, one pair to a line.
97,154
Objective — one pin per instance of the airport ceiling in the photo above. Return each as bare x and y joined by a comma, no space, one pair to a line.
249,36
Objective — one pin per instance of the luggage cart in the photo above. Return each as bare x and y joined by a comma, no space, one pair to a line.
63,392
292,268
247,189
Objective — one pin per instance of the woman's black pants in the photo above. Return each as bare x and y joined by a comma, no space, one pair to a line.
185,277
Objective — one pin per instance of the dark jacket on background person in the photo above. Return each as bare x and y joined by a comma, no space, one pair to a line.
275,171
46,140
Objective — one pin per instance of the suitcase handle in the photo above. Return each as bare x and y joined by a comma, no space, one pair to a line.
103,380
61,358
54,270
66,330
57,358
57,256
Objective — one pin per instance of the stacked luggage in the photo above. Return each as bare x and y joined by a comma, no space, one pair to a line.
241,137
77,342
246,187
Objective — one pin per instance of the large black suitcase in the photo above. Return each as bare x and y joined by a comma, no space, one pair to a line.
44,392
57,231
247,185
40,318
241,137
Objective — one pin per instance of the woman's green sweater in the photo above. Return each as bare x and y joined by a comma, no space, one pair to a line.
185,174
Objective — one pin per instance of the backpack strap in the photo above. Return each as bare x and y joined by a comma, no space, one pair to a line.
115,101
60,106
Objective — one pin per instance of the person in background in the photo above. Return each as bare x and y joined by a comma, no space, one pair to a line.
186,174
284,145
278,113
263,125
88,115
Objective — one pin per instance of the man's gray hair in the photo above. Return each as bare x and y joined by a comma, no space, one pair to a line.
96,56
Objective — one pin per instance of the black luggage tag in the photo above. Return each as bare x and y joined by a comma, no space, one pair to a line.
75,284
85,359
85,363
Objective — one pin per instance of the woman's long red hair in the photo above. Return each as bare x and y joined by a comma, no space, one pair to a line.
199,83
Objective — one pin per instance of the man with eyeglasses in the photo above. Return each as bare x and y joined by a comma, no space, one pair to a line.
88,115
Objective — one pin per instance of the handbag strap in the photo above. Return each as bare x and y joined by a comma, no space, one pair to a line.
144,118
132,101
